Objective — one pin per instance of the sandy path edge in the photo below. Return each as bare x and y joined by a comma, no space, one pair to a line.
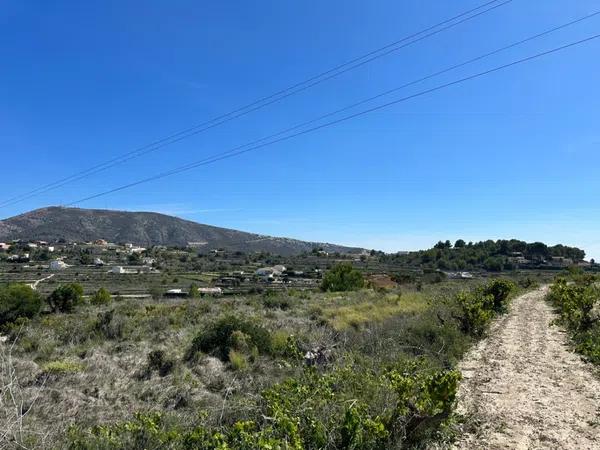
526,388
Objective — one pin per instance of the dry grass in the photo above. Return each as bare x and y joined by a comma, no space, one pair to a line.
372,308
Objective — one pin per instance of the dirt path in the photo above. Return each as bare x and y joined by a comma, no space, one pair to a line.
525,389
34,285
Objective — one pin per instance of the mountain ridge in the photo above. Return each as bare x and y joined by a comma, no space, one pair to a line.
145,228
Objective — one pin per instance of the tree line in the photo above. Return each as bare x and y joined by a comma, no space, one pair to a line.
489,255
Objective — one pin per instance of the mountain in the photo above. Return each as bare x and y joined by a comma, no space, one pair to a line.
145,229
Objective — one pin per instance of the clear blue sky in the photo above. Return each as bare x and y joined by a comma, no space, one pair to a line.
516,154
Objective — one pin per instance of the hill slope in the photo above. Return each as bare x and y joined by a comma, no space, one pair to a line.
144,228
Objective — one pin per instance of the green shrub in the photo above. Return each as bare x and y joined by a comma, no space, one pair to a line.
578,305
500,290
157,360
475,312
101,297
342,277
18,301
276,301
238,360
194,291
58,367
65,297
228,333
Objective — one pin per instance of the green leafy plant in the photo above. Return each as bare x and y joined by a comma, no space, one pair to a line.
65,298
18,301
230,332
342,277
101,297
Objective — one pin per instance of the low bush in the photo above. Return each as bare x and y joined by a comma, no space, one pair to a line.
578,305
238,360
227,333
276,302
475,312
500,289
101,297
65,298
478,307
342,277
158,360
347,408
58,367
18,301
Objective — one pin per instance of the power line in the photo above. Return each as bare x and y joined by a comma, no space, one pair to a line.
448,69
227,155
263,102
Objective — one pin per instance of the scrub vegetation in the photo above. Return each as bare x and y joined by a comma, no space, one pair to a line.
347,367
577,299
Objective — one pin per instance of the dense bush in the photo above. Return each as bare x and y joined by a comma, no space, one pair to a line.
101,297
158,360
16,301
578,305
342,277
476,311
347,408
65,297
477,308
231,333
274,300
500,289
194,291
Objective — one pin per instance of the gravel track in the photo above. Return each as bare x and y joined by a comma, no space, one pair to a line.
525,389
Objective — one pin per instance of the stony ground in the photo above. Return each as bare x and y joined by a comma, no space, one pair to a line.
524,388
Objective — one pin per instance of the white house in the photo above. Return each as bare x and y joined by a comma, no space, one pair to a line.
117,269
57,264
98,262
278,268
210,290
264,272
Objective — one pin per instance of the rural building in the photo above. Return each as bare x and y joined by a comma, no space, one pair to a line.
19,258
131,269
57,264
117,269
196,244
4,246
227,281
175,293
561,261
98,262
101,242
210,290
279,268
519,259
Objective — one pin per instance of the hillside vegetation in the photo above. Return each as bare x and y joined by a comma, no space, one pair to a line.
363,369
495,256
